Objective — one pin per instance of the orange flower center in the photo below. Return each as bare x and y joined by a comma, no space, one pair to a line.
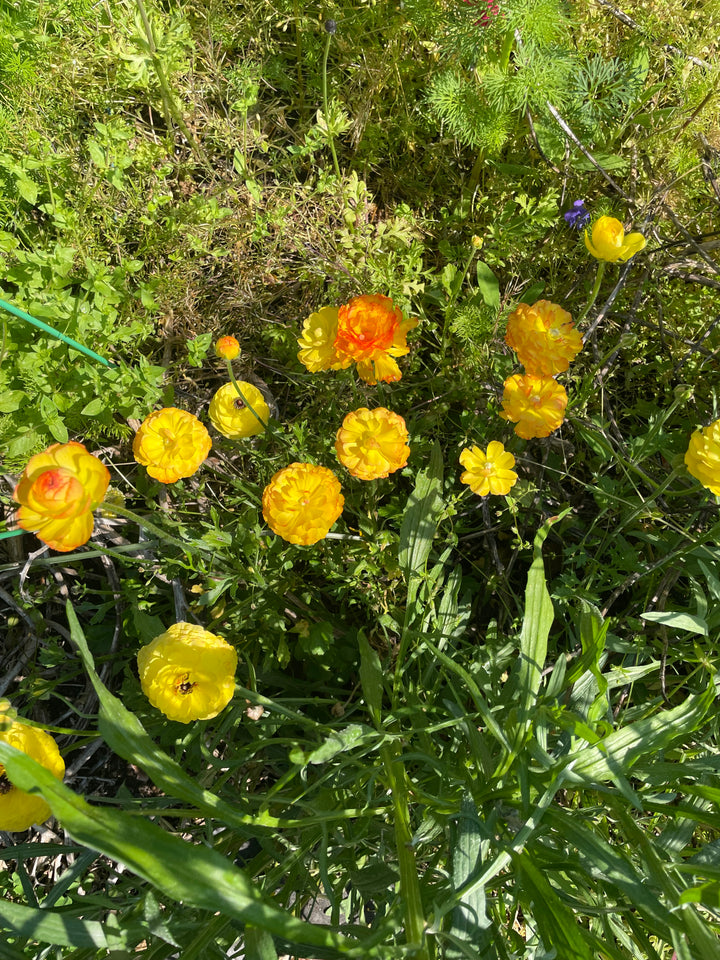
58,487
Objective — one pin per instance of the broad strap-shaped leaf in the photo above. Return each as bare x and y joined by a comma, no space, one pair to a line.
470,923
421,517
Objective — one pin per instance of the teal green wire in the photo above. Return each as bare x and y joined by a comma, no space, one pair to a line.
16,311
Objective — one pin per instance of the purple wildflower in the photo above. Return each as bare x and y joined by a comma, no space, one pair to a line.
578,217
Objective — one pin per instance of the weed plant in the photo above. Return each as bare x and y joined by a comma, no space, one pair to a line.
462,727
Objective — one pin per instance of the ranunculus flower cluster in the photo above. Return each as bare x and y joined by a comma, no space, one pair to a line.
18,809
172,444
369,331
58,492
187,672
231,414
372,444
703,457
302,502
488,472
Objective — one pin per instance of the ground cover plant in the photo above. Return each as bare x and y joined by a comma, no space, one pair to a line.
360,556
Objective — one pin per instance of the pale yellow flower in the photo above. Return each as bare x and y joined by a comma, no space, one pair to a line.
18,809
488,472
231,416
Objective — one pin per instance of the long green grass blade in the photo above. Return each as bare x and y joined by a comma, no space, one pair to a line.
421,518
63,930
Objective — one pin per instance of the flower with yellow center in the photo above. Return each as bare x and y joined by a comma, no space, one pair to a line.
231,415
535,404
188,673
703,457
609,241
372,331
544,338
57,493
489,472
302,502
372,443
18,809
227,348
172,444
317,343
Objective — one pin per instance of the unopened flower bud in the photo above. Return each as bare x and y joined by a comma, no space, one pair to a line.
331,27
227,348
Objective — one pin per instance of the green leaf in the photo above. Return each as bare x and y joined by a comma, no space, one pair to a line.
11,400
339,741
678,621
259,945
488,285
421,517
371,678
93,408
27,189
469,918
61,929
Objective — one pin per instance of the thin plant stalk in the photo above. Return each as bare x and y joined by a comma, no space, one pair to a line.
242,396
330,138
595,290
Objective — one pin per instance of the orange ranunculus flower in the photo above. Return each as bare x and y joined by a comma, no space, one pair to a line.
544,338
372,443
372,331
535,404
317,343
232,417
187,672
58,492
609,241
302,502
227,348
703,457
172,444
489,472
18,809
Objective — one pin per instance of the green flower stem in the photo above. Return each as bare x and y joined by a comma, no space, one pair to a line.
456,288
17,312
409,883
114,508
595,291
242,396
331,139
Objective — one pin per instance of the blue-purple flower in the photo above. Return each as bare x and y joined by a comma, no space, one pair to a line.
578,217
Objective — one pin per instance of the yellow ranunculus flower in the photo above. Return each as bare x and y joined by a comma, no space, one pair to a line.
172,444
18,809
372,443
544,338
57,493
489,472
610,243
317,343
188,673
703,457
302,502
536,405
232,417
227,348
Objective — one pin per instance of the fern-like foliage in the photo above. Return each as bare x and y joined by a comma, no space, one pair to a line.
457,102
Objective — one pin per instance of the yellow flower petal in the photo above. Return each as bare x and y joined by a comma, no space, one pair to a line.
172,444
232,417
372,444
18,809
302,502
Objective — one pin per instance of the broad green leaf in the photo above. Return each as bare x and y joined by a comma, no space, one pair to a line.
371,678
339,741
259,945
678,621
61,929
93,408
618,752
422,514
190,873
469,918
488,285
556,922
